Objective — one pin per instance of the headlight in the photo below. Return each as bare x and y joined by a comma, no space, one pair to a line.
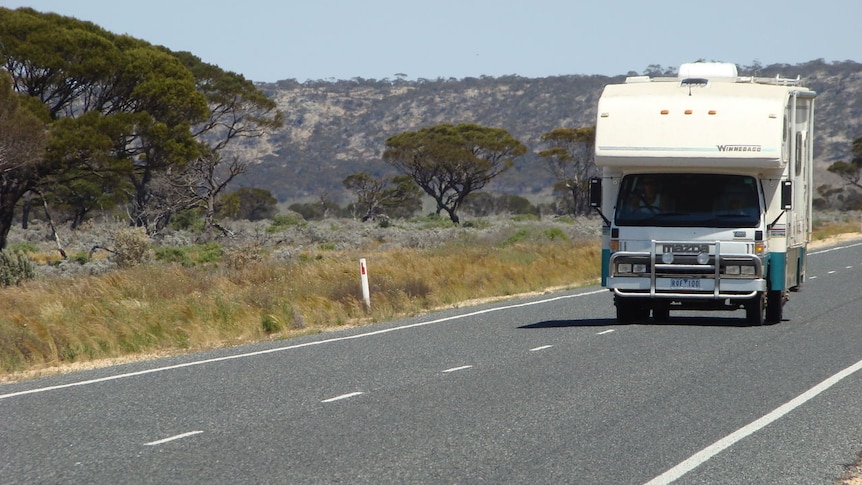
740,270
639,268
624,268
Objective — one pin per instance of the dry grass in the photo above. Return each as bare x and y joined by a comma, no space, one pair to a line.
831,224
157,308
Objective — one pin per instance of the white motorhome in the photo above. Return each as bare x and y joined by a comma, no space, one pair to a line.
706,191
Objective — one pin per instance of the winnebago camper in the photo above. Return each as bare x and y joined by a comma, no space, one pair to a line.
705,191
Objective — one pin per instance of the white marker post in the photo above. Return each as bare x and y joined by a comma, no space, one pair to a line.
363,275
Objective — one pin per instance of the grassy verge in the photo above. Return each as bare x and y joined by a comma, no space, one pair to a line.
167,308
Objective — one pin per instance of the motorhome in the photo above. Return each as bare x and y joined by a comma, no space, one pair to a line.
705,192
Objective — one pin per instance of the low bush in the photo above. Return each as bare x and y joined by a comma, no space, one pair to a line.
132,247
15,267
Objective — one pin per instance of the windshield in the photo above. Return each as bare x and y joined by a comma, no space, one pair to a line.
688,200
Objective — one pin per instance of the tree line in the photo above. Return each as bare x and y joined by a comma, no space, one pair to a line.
91,120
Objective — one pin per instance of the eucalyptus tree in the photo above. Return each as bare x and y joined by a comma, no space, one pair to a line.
115,103
118,104
22,144
850,172
451,161
377,197
570,157
237,111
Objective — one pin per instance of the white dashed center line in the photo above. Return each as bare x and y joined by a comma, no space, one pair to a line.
543,347
458,368
343,396
606,332
172,438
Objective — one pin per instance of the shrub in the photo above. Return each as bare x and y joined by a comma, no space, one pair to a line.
270,324
242,257
80,257
191,255
15,267
555,234
22,247
282,222
131,247
188,220
519,236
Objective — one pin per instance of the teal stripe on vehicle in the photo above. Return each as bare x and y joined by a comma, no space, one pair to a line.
606,265
777,269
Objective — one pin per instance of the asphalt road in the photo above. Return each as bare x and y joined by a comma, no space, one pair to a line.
542,390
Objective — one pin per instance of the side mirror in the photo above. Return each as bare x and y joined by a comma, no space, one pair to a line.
786,195
595,192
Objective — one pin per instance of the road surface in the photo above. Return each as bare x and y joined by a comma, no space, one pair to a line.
548,389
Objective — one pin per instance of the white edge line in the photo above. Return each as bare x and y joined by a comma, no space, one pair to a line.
454,369
835,249
543,347
343,396
705,454
292,347
172,438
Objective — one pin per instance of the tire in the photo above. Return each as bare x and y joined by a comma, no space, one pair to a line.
755,310
631,310
774,306
661,311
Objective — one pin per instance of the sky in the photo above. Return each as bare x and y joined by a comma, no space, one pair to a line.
272,40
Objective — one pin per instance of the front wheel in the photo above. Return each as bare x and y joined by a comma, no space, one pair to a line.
774,306
631,310
755,310
661,311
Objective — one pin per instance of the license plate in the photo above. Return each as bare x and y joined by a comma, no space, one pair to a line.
685,284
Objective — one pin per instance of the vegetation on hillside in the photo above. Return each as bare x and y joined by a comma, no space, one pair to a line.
333,129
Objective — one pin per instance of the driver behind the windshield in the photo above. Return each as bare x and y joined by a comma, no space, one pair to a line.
647,199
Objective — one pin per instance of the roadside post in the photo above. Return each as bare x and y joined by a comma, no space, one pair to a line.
363,276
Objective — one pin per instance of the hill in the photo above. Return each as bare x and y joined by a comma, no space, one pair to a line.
335,128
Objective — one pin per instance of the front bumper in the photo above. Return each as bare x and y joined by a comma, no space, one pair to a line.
710,275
